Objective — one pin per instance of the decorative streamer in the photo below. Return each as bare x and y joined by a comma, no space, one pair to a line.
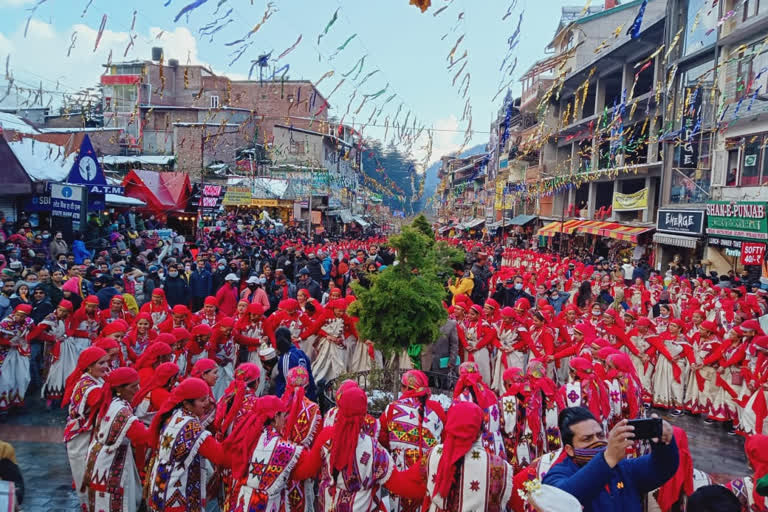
369,75
440,10
375,95
455,47
343,46
188,8
73,39
328,26
86,8
101,32
267,14
336,88
289,49
327,74
634,30
456,77
218,6
359,65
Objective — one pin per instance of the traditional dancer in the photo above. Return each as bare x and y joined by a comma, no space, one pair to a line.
64,354
14,357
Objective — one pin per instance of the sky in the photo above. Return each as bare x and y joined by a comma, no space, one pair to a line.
408,48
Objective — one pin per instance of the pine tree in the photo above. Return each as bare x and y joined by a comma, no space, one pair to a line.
403,307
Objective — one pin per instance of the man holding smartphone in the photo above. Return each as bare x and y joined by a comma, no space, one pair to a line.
596,470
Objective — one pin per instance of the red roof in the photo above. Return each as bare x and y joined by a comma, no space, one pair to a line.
162,191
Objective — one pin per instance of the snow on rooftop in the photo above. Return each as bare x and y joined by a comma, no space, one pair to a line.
137,159
77,130
42,160
123,200
263,188
16,123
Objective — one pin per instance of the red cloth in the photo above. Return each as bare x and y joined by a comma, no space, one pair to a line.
416,383
226,299
163,374
86,359
151,354
352,408
756,449
117,377
669,493
462,429
188,389
246,433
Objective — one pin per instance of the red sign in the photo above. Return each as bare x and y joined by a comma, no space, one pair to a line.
752,253
120,79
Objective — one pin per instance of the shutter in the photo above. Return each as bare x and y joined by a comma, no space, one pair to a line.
719,168
8,208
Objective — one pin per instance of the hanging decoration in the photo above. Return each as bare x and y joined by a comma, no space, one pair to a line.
328,26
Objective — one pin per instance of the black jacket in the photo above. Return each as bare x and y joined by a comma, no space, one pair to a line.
508,296
176,290
315,269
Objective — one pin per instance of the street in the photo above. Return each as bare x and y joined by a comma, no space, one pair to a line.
36,435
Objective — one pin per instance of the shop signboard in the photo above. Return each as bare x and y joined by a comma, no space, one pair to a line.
744,220
629,202
237,196
752,253
682,222
691,129
726,243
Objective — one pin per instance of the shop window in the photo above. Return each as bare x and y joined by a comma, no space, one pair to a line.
692,184
750,170
733,168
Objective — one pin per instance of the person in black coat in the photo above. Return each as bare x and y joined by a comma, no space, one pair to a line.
315,267
306,282
176,287
508,293
41,307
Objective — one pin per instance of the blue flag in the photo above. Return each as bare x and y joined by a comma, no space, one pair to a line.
634,30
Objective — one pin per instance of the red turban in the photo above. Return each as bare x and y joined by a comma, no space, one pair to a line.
416,383
117,377
338,304
165,338
23,308
587,330
87,357
514,380
295,382
255,309
92,299
352,408
188,389
469,377
210,301
202,366
522,304
163,374
493,303
247,432
152,353
507,312
180,333
709,325
202,329
245,374
462,428
180,309
226,322
159,292
65,304
106,343
116,326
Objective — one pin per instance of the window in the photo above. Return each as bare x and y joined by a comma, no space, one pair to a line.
751,8
701,14
750,171
214,102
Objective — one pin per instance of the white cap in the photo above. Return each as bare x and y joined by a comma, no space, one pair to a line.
231,277
266,353
552,499
253,280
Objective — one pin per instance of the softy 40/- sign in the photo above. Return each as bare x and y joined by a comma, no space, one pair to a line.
752,253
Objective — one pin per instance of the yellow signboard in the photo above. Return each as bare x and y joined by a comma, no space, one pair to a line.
628,202
265,202
237,196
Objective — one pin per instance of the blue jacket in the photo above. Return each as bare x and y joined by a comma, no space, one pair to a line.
294,357
80,252
602,489
201,283
328,266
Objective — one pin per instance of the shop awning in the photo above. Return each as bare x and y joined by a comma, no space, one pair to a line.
444,229
344,214
522,220
567,227
624,232
595,227
676,240
117,200
472,224
361,221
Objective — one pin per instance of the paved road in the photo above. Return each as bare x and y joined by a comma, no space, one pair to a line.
36,434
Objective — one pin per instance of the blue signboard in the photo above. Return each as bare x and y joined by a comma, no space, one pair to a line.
86,170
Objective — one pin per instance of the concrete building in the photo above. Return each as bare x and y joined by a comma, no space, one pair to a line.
165,108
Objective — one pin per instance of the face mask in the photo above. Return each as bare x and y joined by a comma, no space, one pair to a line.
222,267
518,286
554,296
46,237
140,279
597,313
582,456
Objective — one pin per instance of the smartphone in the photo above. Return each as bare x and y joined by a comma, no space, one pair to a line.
647,428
